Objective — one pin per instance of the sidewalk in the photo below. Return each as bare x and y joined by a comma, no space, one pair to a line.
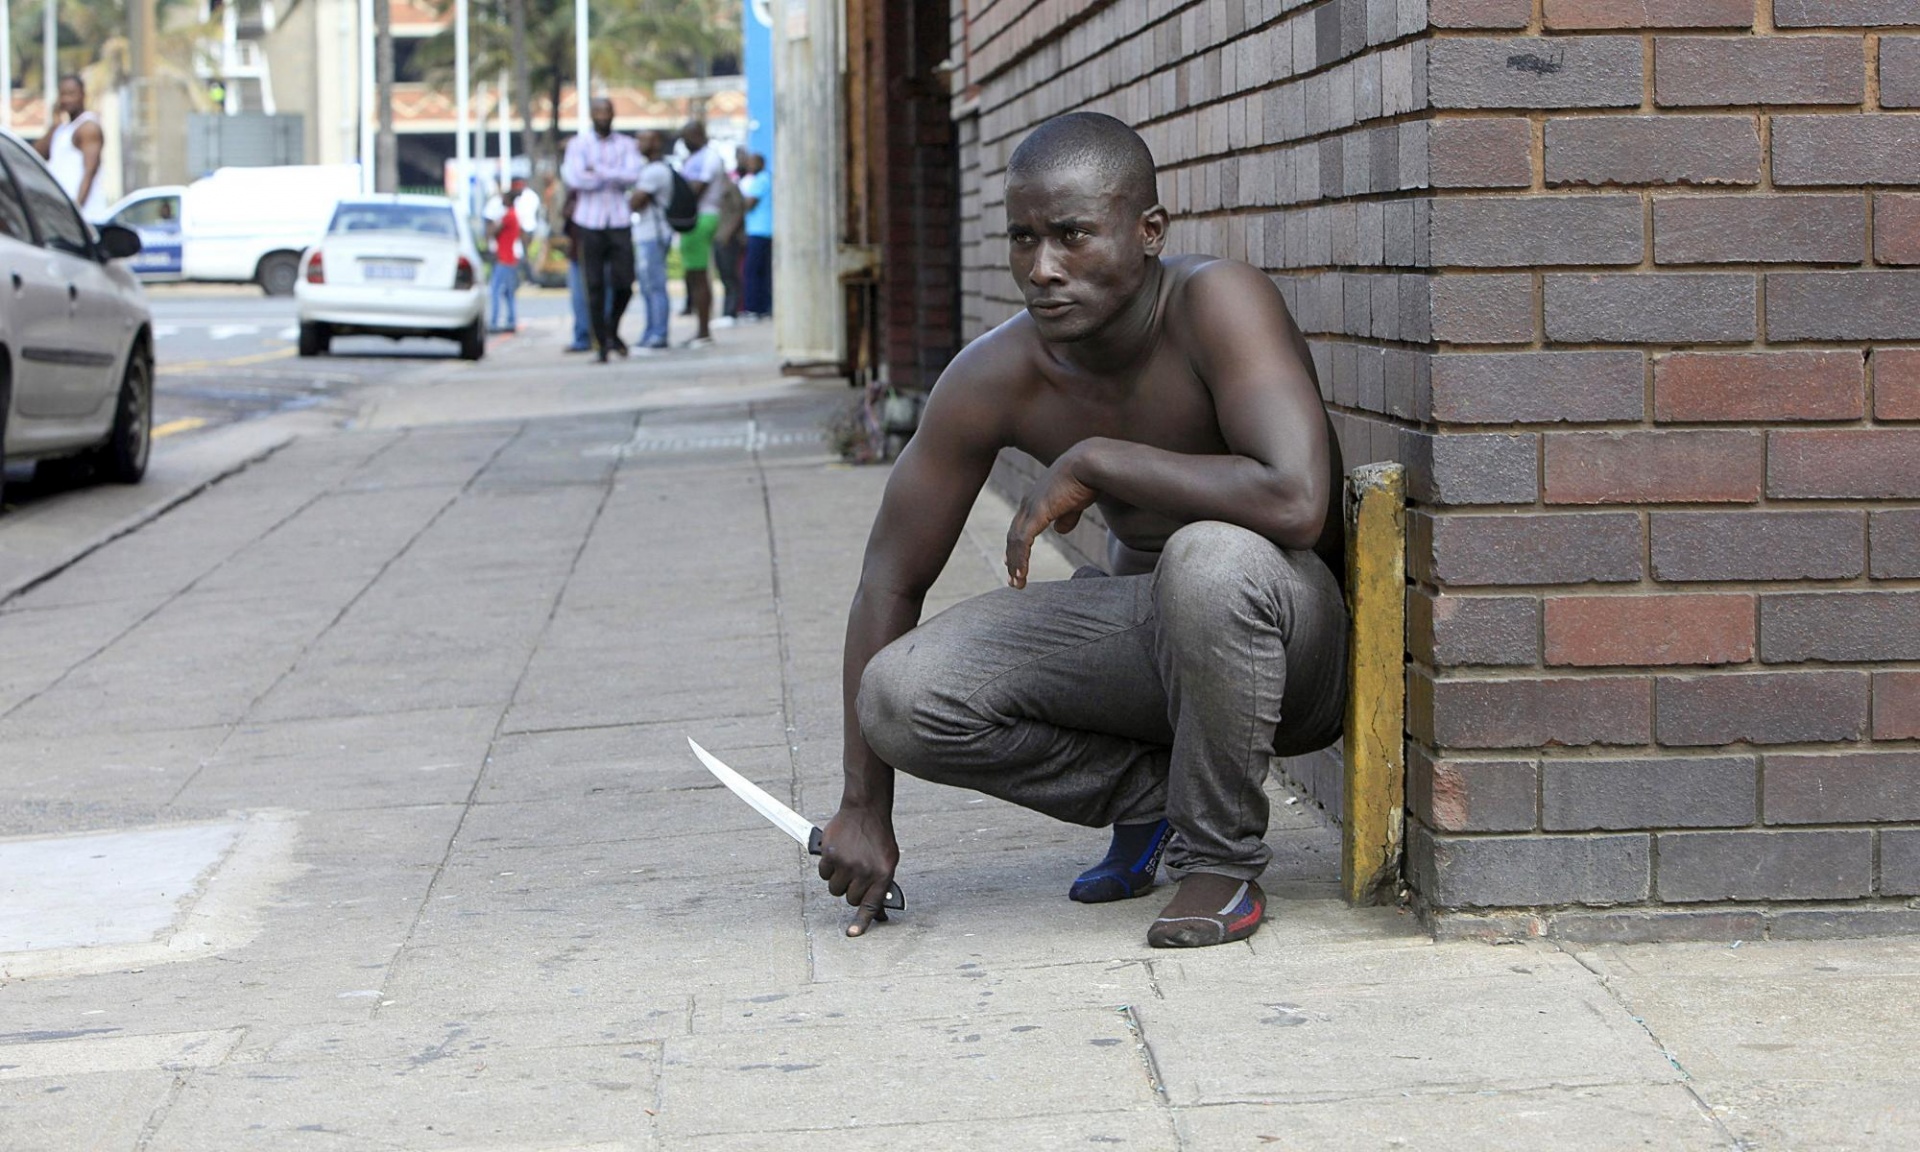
395,842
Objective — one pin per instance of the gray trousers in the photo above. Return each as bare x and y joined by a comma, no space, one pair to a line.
1119,700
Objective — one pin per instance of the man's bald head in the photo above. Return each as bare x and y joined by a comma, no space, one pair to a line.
1092,142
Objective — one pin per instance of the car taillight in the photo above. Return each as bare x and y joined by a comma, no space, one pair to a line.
463,273
316,270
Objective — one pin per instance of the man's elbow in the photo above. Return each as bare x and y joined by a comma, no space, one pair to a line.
1299,518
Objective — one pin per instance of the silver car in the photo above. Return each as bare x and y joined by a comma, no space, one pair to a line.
76,339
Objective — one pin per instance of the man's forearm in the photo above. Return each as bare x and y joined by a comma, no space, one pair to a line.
875,620
1290,511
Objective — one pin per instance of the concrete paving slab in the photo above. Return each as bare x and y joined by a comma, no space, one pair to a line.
87,781
357,761
1218,1041
966,1068
538,1097
580,762
37,1115
103,887
396,1031
1831,1115
1120,1130
1594,1119
968,989
36,1057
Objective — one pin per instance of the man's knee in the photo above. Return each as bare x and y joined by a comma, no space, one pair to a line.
1209,564
885,705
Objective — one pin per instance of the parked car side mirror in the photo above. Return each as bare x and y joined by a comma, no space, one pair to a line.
118,242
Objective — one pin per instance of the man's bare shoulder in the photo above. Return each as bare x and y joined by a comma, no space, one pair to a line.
1200,282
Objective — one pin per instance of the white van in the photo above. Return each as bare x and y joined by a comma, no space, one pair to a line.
239,225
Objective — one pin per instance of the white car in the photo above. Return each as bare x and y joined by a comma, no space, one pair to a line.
392,266
76,339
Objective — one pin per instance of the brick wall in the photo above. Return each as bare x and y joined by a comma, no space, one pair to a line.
1633,288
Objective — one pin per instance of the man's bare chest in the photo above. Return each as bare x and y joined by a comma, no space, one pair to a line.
1164,406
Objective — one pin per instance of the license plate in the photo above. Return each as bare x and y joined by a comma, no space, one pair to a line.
387,270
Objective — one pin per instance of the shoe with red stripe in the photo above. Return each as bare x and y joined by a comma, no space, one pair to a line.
1209,909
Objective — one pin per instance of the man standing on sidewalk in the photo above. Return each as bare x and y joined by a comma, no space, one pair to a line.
652,238
1176,393
72,150
705,171
757,276
601,167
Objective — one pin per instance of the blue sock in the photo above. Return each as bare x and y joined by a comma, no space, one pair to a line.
1129,868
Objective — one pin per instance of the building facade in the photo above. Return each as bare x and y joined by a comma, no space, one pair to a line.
1633,291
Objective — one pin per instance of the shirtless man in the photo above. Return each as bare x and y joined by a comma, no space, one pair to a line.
72,147
1177,394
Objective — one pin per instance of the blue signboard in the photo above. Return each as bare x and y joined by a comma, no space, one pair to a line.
758,66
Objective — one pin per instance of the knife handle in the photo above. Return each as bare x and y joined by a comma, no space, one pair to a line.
895,899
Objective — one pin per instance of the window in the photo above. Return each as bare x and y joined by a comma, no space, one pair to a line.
60,225
13,214
430,219
150,213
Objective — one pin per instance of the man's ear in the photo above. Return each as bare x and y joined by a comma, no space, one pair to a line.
1153,230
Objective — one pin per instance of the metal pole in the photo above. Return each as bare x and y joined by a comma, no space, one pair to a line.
367,164
6,63
582,88
506,130
462,144
50,49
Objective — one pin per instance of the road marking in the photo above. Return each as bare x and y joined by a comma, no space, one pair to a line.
229,331
163,331
233,362
175,427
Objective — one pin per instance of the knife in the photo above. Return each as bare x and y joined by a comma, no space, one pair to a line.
783,817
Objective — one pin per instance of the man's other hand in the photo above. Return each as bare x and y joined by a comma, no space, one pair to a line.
858,855
1058,499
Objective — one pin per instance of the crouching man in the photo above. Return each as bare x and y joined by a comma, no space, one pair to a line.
1177,394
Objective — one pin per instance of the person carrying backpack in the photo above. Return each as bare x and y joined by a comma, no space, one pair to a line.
652,201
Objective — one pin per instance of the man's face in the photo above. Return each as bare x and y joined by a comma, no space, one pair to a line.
602,112
650,146
1077,250
73,98
695,134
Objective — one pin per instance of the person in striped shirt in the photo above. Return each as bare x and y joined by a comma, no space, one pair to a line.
602,167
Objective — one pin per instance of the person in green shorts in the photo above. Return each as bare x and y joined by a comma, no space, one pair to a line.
705,171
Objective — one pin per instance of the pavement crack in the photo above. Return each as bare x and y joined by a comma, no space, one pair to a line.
1711,1113
607,487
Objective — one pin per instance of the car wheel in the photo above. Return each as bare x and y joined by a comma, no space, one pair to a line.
315,338
4,400
123,458
277,273
473,341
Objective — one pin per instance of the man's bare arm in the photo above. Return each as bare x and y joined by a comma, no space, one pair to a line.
90,140
1274,478
925,507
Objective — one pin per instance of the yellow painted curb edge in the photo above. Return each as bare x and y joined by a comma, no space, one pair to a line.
1375,747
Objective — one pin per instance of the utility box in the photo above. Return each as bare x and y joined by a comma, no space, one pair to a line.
244,140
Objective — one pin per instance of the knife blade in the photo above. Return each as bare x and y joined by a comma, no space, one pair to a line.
779,815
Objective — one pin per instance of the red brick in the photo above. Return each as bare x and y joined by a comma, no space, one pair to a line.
1846,148
1721,70
1895,533
1473,795
1896,705
1899,71
1649,13
1761,708
1454,631
1668,467
1896,229
1480,153
1583,794
1770,386
1844,13
1600,631
1531,713
1794,229
1853,463
1853,305
1482,309
1896,383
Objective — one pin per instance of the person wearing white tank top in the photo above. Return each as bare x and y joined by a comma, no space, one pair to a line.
72,150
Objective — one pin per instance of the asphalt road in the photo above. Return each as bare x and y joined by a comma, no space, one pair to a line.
225,354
